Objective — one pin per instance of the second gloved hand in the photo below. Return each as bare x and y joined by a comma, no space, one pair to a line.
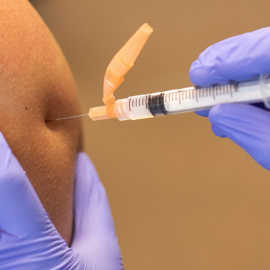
29,240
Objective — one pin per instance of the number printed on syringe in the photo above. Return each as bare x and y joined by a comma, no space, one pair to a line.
191,99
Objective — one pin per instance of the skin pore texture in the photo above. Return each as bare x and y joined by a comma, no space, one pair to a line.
37,84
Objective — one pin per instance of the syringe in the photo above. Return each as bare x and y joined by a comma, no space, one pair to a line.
168,102
187,100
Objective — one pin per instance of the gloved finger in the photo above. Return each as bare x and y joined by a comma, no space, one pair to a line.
218,132
94,233
21,211
237,58
246,125
203,113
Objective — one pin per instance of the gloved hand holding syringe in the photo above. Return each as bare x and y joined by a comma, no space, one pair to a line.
168,102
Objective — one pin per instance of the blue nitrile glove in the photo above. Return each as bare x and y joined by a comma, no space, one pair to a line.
28,239
238,58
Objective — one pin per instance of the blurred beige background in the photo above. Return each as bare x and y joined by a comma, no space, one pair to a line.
181,198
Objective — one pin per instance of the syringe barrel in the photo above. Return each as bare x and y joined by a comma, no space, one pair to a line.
192,99
132,108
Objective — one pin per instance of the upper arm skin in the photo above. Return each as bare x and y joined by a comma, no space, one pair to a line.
36,84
